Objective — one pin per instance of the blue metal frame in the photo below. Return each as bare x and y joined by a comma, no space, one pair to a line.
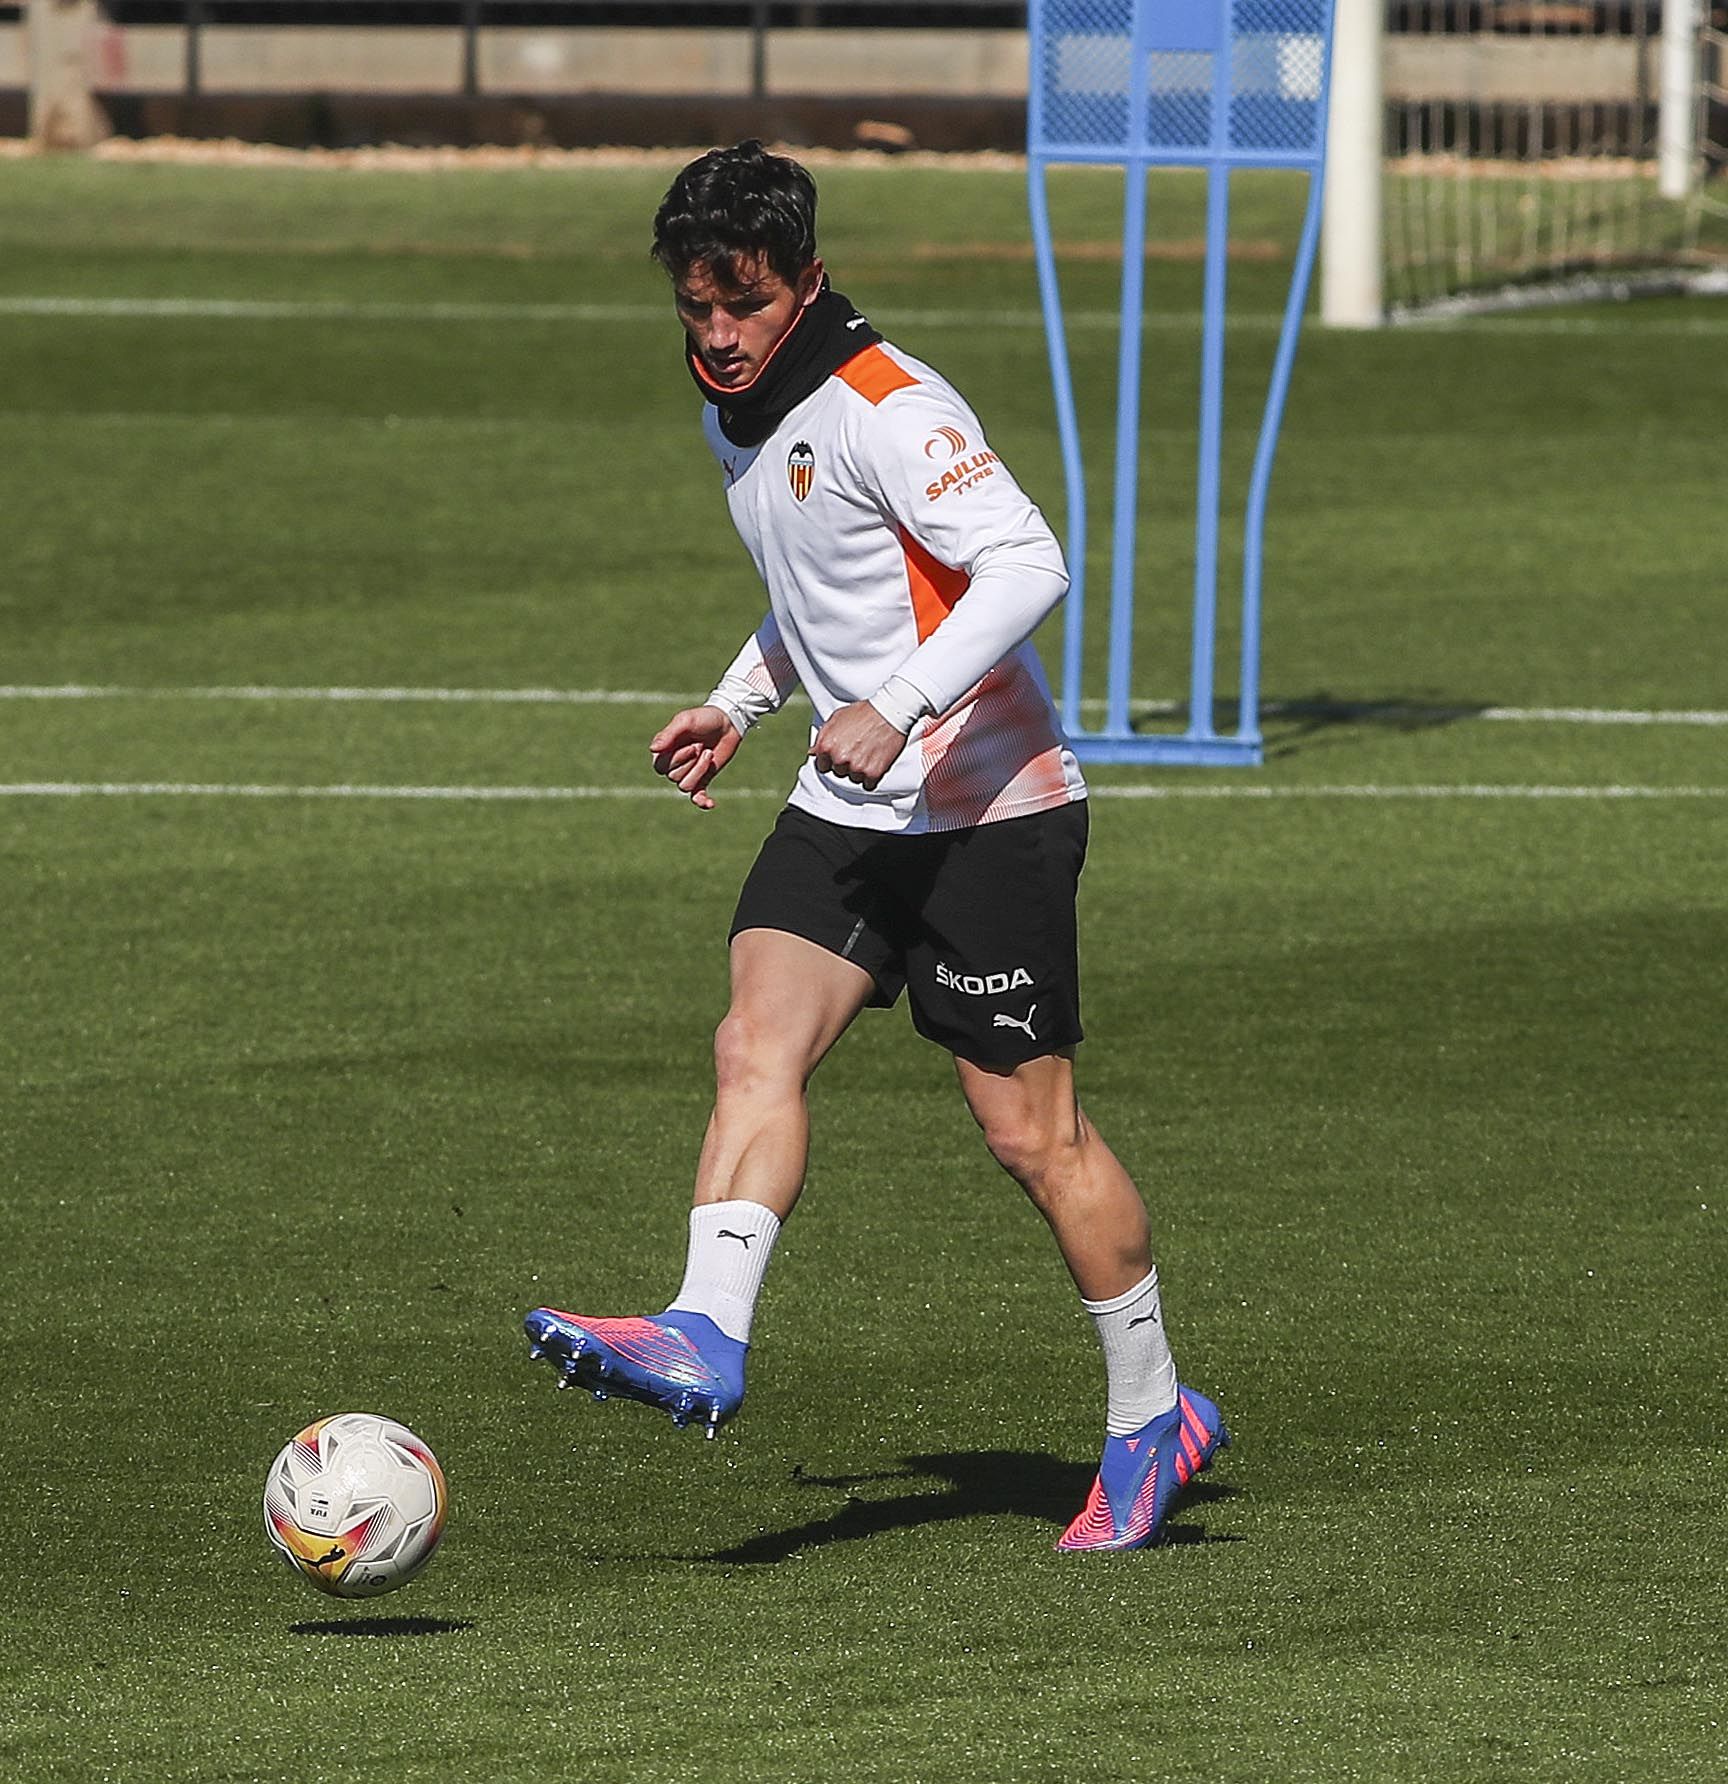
1209,62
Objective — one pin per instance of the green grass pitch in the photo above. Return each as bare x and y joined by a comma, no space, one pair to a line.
305,1100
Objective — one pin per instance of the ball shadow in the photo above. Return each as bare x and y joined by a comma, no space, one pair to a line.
384,1626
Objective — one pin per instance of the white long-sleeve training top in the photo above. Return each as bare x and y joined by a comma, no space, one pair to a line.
903,564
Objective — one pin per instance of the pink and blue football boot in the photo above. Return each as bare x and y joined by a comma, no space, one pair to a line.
681,1362
1141,1475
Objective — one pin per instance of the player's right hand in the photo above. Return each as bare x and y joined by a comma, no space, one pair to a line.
691,748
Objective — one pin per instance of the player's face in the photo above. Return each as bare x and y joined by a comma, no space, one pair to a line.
735,326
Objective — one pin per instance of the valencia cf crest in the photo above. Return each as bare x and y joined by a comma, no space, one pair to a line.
801,469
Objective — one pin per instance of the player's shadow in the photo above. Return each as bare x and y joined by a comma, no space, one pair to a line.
1297,724
978,1483
1293,725
397,1627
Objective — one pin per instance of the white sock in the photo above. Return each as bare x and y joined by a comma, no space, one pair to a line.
730,1245
1138,1367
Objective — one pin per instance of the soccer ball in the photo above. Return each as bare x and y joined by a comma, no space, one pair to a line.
355,1505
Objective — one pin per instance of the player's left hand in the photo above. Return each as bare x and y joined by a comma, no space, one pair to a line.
857,744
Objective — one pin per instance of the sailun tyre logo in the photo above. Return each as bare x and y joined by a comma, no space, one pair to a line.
801,469
946,442
963,474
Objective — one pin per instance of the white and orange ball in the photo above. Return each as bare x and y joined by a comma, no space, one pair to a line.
355,1505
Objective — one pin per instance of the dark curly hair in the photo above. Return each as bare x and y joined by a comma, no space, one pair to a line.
737,204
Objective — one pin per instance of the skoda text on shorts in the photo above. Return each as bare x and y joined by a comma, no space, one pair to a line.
932,843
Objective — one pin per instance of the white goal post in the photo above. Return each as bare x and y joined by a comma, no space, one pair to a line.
1352,285
1495,153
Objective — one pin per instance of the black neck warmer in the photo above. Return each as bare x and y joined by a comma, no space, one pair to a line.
823,337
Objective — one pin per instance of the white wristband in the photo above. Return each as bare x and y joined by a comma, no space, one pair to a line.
901,704
740,720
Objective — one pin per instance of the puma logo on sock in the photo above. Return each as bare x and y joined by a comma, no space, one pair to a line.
742,1238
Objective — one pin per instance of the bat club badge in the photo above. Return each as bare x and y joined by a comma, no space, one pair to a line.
801,469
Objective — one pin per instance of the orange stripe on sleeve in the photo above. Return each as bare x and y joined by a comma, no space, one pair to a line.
874,375
934,586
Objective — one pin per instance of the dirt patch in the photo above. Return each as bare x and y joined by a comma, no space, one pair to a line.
393,158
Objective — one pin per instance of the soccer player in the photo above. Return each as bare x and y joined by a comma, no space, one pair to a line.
933,840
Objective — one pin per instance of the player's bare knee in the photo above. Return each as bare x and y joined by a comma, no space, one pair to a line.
1034,1156
750,1054
738,1043
1013,1149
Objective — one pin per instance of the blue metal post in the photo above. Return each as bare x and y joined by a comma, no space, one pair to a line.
1209,483
1212,85
1126,503
1260,480
1067,432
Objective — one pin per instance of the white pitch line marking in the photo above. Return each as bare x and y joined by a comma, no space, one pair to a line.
241,309
246,309
224,309
1591,715
361,696
1348,711
1522,715
266,790
1464,791
503,794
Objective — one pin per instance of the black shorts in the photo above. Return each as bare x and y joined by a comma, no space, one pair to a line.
978,924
